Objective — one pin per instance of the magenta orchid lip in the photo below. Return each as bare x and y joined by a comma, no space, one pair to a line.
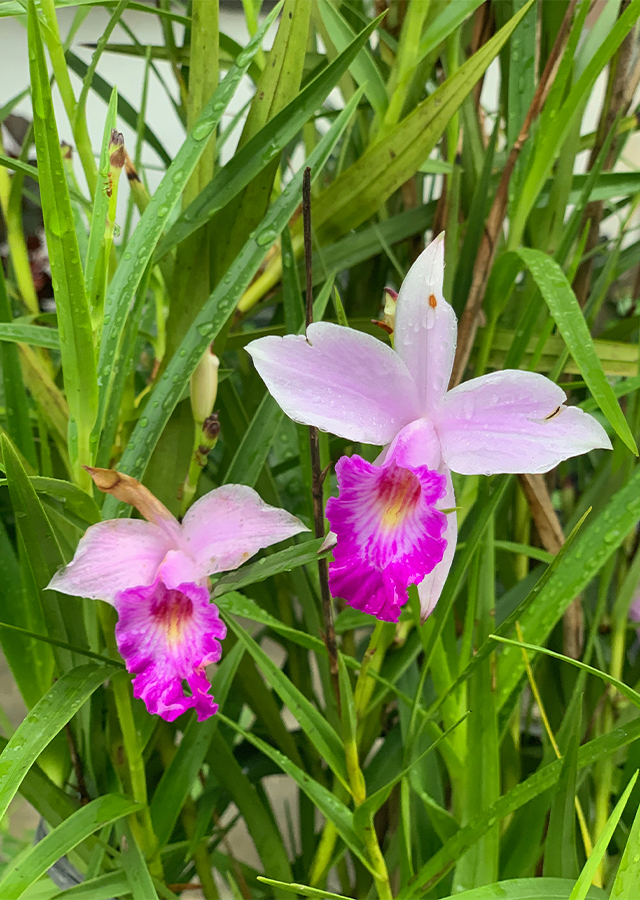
359,388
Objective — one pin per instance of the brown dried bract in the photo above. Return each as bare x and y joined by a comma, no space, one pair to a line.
129,490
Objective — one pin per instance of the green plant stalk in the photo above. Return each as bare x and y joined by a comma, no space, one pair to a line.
379,642
522,532
324,853
15,238
78,123
110,186
206,438
141,823
604,769
381,875
191,274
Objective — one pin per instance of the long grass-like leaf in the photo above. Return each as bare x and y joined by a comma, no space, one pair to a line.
219,308
74,323
45,720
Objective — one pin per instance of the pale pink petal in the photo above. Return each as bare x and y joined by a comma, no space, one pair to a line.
388,533
430,587
167,637
229,524
416,445
426,327
178,567
113,556
513,421
340,380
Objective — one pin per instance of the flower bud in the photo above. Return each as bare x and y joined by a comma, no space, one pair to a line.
116,150
388,322
390,299
204,386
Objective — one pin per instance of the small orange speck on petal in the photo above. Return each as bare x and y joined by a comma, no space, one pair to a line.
432,301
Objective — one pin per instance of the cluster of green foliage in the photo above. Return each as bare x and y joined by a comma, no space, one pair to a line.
450,758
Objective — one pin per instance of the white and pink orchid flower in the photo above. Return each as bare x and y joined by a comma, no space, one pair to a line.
390,532
155,575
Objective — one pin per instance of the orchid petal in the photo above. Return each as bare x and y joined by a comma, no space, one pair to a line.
426,326
416,445
167,637
112,556
177,568
228,525
389,534
430,588
513,421
340,380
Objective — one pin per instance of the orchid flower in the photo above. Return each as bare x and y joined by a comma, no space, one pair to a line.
155,575
387,517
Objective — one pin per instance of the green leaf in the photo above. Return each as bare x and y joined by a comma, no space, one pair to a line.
46,719
363,68
451,16
36,335
528,889
250,160
18,166
126,112
74,323
362,815
560,857
565,309
94,260
482,770
31,664
326,802
253,450
218,309
258,818
274,564
313,722
42,553
18,877
15,395
133,863
103,887
588,873
141,247
625,887
559,121
590,551
179,776
303,889
357,193
433,871
624,689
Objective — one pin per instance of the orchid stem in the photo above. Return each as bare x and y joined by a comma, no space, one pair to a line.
314,447
141,824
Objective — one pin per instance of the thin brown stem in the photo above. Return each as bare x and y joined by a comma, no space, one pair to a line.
76,762
486,253
317,475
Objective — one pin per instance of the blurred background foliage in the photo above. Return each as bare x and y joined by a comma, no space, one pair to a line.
512,126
